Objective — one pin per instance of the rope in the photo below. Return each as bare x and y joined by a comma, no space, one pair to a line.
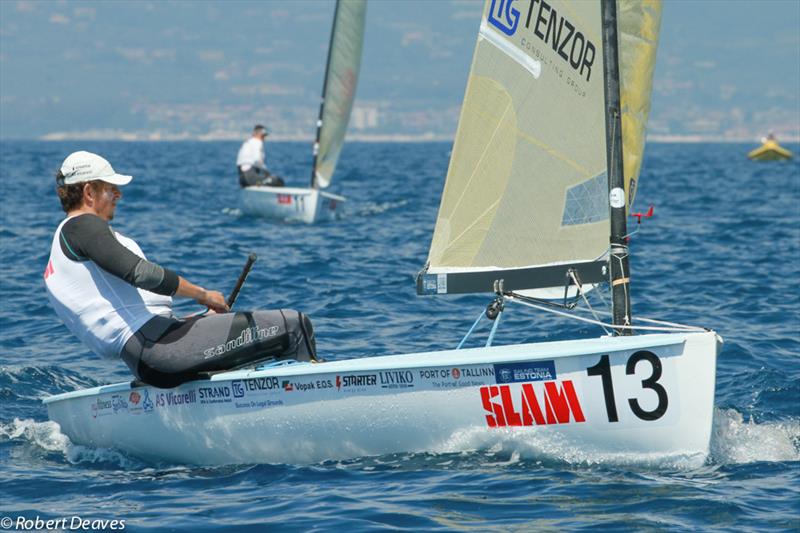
460,344
494,329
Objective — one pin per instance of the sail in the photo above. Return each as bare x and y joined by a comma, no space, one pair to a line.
341,79
526,194
638,23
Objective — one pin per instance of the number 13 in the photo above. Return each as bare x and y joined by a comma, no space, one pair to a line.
603,369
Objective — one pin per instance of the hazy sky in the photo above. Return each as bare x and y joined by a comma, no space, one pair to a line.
726,68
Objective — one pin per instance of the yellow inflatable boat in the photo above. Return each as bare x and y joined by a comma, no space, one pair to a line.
770,151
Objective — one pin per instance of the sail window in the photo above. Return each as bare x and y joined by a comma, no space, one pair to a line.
586,202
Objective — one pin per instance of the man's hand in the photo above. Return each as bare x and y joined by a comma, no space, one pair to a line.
214,300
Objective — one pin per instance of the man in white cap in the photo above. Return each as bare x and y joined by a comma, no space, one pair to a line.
120,304
250,161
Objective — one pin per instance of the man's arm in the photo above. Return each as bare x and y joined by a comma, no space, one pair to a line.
88,237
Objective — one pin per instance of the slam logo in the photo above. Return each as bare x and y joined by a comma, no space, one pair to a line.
503,17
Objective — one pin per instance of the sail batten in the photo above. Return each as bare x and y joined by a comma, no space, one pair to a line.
339,87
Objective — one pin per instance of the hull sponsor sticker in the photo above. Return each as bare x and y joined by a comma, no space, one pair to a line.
119,403
215,394
549,403
525,372
140,402
396,379
299,385
101,407
173,399
257,404
356,382
242,387
147,403
454,377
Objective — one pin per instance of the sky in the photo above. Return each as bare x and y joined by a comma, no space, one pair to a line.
726,69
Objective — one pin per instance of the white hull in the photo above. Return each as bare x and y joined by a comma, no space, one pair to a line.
291,203
541,395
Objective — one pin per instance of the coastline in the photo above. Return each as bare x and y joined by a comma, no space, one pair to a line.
117,135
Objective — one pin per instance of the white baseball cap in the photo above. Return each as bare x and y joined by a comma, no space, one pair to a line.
86,166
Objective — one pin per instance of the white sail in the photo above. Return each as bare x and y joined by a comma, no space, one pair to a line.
341,79
527,187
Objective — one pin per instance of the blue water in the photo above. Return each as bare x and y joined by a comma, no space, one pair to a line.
723,251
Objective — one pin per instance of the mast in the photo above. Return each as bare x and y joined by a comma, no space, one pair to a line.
322,100
619,271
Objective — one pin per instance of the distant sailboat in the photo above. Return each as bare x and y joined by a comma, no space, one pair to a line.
557,99
338,93
770,150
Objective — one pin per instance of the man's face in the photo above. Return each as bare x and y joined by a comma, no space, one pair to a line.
105,201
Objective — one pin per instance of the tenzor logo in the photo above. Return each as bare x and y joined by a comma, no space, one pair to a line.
502,17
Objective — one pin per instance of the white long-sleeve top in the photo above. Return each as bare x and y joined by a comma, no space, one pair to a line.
251,154
101,309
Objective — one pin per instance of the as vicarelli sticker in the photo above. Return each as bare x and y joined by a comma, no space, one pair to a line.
520,406
522,372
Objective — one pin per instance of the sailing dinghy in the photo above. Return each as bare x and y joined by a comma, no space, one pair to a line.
535,192
338,92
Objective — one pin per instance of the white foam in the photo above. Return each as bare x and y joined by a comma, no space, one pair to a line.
736,441
47,436
44,435
232,211
378,208
733,441
543,445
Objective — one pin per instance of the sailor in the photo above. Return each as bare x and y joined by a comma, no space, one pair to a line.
250,161
120,304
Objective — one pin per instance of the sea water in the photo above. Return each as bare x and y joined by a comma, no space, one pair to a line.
722,251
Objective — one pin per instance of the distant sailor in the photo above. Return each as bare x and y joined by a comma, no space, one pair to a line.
250,161
120,304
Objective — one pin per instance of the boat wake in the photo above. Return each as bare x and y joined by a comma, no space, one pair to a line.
734,441
232,211
372,209
45,440
511,447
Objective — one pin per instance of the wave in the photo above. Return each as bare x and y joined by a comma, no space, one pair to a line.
733,441
736,441
45,438
374,208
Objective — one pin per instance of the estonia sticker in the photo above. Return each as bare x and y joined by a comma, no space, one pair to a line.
521,372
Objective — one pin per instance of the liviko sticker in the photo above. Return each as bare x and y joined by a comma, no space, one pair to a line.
616,197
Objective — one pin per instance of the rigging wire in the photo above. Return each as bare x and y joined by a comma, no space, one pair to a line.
667,326
581,292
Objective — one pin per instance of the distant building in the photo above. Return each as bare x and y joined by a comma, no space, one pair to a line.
364,118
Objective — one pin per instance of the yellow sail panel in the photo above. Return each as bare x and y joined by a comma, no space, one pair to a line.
341,79
526,185
638,24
